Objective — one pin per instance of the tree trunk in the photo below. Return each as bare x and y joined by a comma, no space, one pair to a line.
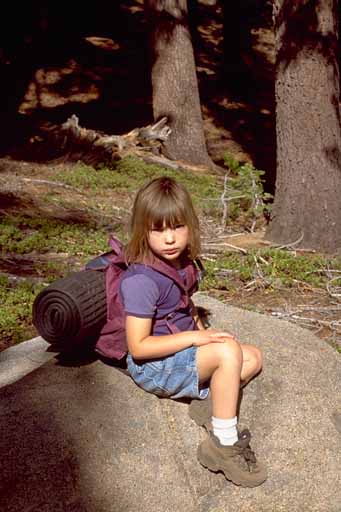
174,81
308,186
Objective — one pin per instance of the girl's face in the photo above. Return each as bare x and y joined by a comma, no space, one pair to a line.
168,243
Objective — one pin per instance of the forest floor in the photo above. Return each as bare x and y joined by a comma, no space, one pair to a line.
36,198
239,120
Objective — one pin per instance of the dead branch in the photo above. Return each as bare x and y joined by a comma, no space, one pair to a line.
208,2
96,148
259,274
256,202
326,310
334,325
51,184
334,291
225,203
225,272
208,257
231,235
158,132
225,244
14,278
112,147
290,245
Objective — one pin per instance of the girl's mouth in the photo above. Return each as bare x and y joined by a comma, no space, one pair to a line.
170,251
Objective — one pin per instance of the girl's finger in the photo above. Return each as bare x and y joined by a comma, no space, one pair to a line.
222,335
209,341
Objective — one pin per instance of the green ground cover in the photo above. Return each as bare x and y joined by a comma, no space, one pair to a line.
57,245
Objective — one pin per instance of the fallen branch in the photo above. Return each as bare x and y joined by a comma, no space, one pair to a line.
333,324
224,201
96,148
51,184
150,135
87,144
260,276
336,293
290,245
225,244
209,257
14,278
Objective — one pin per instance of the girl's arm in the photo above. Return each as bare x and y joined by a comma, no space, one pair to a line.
142,345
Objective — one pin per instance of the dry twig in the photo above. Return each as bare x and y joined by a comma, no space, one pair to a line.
225,244
334,292
51,184
224,201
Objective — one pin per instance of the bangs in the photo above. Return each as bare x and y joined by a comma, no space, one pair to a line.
166,213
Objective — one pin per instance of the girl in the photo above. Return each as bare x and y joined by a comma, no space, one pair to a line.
170,352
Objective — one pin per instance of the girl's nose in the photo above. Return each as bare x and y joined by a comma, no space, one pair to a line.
169,235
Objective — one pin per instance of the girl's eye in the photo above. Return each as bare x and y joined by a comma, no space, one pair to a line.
161,229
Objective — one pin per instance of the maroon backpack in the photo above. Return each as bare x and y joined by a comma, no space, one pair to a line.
111,342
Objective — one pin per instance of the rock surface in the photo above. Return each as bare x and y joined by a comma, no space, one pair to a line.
82,437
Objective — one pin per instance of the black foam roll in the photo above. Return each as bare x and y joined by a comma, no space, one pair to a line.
73,309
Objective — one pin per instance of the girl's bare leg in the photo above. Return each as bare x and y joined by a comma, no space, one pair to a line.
252,363
222,364
228,366
224,449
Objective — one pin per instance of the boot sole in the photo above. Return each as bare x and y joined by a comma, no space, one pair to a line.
212,465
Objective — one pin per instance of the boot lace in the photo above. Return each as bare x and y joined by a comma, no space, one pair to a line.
245,449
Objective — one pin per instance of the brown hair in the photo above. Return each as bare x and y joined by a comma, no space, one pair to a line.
162,201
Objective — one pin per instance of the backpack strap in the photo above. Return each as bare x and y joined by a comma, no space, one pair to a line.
200,268
193,274
116,256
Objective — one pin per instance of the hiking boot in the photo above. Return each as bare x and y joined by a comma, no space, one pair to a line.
237,462
200,411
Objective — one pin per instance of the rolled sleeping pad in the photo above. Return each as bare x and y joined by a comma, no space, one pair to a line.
71,310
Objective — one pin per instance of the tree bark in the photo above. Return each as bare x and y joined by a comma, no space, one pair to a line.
308,186
174,81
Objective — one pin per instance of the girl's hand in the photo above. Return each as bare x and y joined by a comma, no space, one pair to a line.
211,336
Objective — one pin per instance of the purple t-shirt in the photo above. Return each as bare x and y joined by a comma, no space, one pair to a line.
144,297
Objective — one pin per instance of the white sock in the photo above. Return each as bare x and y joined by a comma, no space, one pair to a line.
225,430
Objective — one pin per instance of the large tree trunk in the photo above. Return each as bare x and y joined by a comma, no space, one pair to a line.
308,187
174,81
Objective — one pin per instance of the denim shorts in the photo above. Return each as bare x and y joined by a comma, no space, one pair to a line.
174,376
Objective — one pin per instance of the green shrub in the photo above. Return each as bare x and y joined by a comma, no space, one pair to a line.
244,193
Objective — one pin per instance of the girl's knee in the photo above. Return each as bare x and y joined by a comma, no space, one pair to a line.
229,352
255,357
258,358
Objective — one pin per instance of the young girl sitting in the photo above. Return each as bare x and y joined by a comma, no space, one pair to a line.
170,352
